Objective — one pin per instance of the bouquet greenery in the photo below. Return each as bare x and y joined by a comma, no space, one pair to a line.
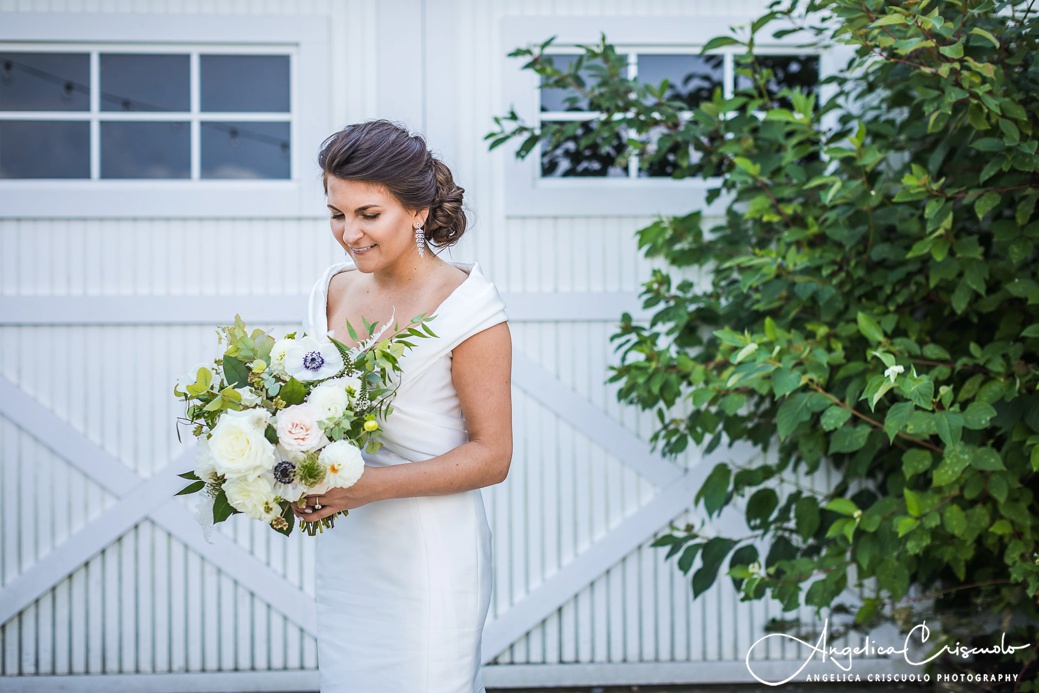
279,419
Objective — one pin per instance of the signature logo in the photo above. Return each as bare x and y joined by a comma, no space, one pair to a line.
844,656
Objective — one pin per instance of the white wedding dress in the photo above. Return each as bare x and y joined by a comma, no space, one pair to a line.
403,585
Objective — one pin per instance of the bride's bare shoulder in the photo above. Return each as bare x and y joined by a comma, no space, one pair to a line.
340,285
451,277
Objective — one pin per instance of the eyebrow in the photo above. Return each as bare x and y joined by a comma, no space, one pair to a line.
356,211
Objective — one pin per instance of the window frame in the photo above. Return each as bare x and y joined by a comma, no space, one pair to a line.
528,194
304,39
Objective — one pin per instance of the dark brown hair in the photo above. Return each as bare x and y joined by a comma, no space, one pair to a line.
379,151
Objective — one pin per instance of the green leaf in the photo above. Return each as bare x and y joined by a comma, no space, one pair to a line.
849,438
685,562
806,517
190,476
760,507
293,392
714,552
907,525
912,502
998,487
842,506
1001,526
989,144
793,411
236,372
897,418
954,50
915,461
720,42
987,460
977,415
744,556
889,19
985,203
834,417
222,509
193,487
715,489
954,461
785,380
869,327
954,520
981,32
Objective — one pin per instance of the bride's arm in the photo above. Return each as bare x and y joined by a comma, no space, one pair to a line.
481,370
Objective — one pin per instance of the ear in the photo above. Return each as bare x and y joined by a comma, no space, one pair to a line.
420,216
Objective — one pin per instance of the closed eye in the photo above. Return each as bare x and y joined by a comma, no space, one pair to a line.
370,217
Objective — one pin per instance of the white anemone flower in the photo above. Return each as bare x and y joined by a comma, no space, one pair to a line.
312,359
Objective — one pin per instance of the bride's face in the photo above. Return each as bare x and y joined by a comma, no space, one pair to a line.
371,224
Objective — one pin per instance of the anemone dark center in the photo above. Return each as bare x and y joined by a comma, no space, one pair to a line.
313,361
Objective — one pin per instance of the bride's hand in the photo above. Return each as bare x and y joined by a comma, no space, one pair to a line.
336,500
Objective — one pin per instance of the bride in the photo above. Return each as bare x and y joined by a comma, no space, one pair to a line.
403,583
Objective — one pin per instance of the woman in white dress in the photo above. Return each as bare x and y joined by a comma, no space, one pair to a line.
403,583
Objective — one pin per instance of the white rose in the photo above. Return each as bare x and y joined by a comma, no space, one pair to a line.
249,396
278,352
344,463
254,496
298,429
309,359
205,468
238,446
331,398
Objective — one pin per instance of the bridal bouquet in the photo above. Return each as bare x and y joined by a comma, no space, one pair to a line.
279,419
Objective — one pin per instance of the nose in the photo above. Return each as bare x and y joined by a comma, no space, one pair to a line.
352,233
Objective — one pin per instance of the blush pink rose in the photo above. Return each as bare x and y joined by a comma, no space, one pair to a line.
298,429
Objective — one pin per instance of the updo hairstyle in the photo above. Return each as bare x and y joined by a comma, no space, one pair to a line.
379,151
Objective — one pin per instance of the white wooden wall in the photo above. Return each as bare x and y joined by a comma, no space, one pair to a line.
104,575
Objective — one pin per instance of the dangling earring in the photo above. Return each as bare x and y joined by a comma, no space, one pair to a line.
420,240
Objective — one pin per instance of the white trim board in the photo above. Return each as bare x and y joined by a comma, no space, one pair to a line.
209,308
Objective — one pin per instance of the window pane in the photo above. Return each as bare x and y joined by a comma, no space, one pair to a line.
44,81
145,150
692,78
134,82
239,83
569,159
788,71
44,149
556,99
674,157
245,150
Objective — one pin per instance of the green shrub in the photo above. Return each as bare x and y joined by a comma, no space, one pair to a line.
870,297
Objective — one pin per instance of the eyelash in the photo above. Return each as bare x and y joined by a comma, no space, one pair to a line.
368,217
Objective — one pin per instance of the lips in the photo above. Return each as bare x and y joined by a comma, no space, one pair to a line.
362,250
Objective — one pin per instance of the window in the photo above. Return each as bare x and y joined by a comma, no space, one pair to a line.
160,116
596,180
126,115
692,78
